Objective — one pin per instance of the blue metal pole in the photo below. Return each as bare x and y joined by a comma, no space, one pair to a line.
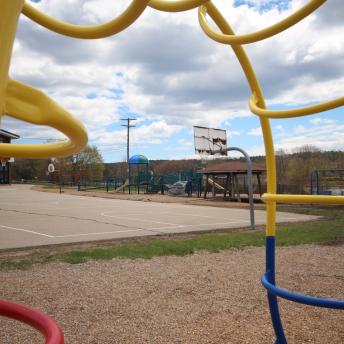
272,299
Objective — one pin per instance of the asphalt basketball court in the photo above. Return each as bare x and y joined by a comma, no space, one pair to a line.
31,218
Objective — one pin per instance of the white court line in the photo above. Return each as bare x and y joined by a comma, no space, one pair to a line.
205,216
170,213
146,229
108,214
165,213
27,231
202,225
126,216
97,233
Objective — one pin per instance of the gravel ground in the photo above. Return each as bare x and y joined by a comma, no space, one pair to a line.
202,298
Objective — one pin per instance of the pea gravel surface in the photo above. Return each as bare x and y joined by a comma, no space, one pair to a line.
201,298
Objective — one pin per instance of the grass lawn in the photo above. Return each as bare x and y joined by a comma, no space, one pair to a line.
330,229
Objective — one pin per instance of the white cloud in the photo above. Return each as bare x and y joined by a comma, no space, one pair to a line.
319,120
280,131
155,133
185,143
233,133
327,136
255,132
299,129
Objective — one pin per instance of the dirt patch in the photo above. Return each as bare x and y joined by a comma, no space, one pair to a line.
202,298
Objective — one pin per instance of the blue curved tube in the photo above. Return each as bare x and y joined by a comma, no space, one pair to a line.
268,281
305,299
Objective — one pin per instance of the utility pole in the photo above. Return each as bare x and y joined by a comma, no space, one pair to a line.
128,141
128,128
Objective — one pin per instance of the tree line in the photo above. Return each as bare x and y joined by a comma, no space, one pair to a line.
87,164
293,168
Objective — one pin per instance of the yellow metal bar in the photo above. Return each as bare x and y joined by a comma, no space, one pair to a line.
257,104
30,105
302,111
175,6
303,199
256,89
116,25
9,14
270,31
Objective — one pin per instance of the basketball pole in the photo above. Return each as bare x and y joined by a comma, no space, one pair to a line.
249,179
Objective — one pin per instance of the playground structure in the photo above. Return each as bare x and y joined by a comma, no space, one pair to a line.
30,105
138,173
151,183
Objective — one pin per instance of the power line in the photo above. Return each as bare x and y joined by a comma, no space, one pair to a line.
111,149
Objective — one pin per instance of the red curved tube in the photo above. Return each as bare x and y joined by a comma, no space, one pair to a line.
51,331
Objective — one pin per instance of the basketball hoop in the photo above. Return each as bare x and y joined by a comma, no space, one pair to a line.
204,156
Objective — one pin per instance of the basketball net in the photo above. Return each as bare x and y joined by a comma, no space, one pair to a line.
204,157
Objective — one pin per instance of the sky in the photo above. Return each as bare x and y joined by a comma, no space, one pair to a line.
165,72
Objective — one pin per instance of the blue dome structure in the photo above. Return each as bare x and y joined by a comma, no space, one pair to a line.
138,159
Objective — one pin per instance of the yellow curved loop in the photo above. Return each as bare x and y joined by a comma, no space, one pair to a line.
302,199
30,105
270,31
239,51
175,6
302,111
114,26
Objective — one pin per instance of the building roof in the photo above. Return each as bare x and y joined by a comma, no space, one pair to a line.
232,166
138,159
8,134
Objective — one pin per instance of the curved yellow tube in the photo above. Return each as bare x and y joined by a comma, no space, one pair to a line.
30,105
303,111
116,25
176,6
264,122
261,34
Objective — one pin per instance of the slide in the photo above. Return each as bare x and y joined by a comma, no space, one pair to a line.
120,188
217,186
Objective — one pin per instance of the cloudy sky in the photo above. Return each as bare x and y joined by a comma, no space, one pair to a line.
168,74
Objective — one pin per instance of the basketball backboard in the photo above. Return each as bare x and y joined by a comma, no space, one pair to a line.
209,140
